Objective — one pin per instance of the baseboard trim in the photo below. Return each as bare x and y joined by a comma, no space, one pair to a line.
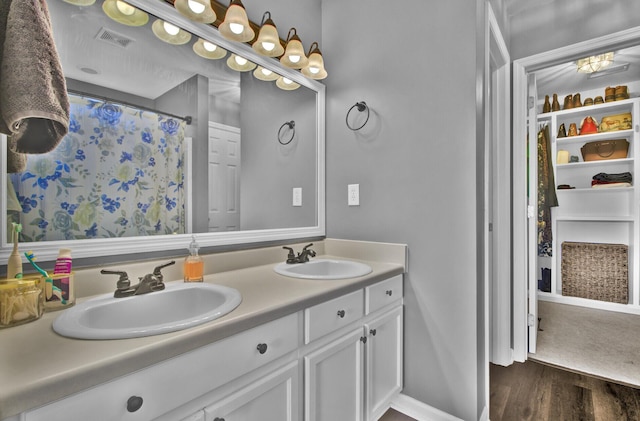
419,410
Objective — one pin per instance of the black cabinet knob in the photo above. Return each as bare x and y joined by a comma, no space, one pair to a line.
262,348
218,419
373,332
389,292
341,313
363,339
134,403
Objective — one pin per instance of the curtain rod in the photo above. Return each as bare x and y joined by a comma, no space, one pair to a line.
187,119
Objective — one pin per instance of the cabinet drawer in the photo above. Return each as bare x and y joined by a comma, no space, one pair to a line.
332,315
383,293
174,382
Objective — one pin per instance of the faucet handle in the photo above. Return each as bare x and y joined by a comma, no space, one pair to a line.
311,252
123,281
291,257
157,269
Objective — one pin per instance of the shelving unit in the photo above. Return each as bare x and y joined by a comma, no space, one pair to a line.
597,215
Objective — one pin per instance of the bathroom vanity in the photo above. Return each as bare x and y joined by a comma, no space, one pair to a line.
293,349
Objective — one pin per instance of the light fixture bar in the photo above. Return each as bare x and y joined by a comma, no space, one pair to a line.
609,71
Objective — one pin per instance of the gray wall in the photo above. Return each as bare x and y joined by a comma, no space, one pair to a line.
415,162
561,23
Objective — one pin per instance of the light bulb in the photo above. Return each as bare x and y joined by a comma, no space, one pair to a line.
287,81
266,72
269,46
314,70
294,59
241,60
236,28
171,29
195,6
124,8
209,46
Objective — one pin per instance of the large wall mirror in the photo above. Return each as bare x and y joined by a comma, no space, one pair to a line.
166,142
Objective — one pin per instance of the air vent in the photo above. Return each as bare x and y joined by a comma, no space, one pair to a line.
114,38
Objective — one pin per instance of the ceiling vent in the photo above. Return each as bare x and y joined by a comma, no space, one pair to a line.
111,37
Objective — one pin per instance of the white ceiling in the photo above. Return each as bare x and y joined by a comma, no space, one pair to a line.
147,67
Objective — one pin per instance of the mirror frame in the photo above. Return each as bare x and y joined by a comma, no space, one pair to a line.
48,250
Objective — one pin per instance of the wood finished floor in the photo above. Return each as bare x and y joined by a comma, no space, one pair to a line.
393,415
538,392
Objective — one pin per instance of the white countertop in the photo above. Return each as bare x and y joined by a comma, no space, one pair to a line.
38,366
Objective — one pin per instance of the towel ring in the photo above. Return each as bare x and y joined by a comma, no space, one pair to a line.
360,106
292,126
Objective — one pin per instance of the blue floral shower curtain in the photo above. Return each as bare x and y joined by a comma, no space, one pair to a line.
118,173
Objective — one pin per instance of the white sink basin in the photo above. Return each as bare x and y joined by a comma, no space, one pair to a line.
179,306
325,269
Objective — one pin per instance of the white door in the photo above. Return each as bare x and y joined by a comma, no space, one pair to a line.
532,226
224,178
384,362
334,381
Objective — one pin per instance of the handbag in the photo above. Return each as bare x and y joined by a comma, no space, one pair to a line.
605,149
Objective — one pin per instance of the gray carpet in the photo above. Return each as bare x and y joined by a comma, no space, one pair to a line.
602,343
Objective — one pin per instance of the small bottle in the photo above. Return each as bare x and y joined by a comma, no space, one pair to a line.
193,264
63,265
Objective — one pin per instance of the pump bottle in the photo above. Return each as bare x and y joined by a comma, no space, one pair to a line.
193,264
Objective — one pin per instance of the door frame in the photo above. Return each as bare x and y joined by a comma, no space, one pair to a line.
521,69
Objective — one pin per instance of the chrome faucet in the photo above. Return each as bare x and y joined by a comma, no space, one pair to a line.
148,283
302,257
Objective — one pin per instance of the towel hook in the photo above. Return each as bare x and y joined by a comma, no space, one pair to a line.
292,126
360,106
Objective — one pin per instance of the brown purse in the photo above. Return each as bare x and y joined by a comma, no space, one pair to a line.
605,149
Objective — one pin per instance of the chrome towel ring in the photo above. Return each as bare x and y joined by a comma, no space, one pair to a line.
292,126
360,106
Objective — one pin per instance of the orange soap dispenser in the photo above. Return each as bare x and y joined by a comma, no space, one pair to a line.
193,263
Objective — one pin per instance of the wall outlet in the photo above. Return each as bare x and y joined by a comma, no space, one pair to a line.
353,194
297,196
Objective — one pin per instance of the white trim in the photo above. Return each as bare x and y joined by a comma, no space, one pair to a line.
48,250
520,69
500,329
420,410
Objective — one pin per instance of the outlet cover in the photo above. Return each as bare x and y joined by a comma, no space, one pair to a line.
297,196
354,194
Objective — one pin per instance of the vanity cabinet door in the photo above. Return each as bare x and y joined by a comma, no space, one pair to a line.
384,362
334,379
274,397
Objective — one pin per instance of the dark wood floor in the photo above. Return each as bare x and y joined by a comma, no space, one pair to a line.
393,415
537,392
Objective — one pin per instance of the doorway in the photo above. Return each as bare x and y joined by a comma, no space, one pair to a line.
525,267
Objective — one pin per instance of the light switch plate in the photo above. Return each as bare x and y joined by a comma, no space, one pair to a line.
354,194
297,196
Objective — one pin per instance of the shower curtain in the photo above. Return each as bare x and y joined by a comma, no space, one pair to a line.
546,192
117,173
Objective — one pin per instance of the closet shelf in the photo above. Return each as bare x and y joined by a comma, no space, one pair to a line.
626,218
584,138
603,163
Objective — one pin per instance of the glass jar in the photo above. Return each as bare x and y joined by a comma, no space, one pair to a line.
21,301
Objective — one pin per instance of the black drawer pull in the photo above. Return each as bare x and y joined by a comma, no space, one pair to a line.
134,403
373,332
389,292
341,313
262,348
218,419
363,339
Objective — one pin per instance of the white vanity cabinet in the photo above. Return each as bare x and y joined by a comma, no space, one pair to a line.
154,391
273,397
353,371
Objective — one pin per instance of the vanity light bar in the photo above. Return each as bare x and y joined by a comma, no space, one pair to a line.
220,10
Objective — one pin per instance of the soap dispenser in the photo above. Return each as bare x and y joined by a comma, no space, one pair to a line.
193,264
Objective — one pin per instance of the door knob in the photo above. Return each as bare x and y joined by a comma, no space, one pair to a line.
134,403
262,348
341,313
